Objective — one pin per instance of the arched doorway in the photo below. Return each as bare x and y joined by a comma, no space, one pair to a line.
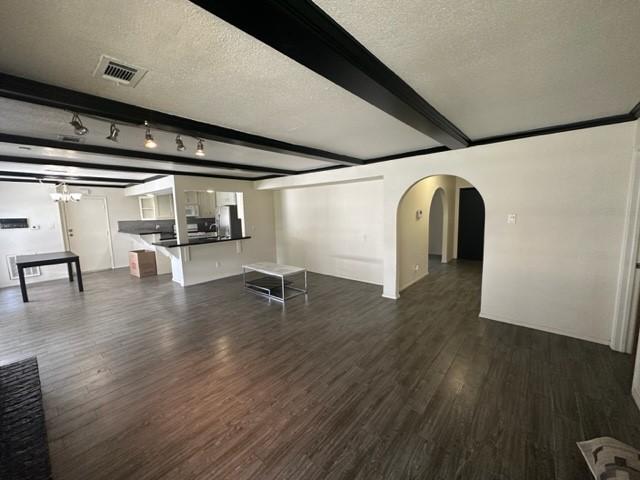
424,225
437,229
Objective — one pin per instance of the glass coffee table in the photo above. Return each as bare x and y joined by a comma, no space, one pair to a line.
276,281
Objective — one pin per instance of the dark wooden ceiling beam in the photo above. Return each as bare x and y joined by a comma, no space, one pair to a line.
119,168
596,122
65,178
635,111
55,182
137,154
51,96
305,33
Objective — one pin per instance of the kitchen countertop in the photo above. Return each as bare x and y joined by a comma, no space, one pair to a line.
195,241
151,232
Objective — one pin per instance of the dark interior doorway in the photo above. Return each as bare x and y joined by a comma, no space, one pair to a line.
470,225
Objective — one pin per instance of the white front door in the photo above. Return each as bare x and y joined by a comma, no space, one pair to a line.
88,232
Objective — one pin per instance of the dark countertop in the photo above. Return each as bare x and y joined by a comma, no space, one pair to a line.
154,232
195,241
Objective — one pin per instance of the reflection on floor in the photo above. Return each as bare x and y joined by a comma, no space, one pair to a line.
143,379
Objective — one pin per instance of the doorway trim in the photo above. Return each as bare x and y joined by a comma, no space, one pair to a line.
445,254
628,289
65,230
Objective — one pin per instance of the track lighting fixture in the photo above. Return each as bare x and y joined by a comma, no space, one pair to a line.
149,142
200,149
113,133
77,125
180,144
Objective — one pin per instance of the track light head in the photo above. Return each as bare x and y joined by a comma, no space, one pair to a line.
77,125
180,144
200,149
149,142
113,133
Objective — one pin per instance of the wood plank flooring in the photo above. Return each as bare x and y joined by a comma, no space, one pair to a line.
145,380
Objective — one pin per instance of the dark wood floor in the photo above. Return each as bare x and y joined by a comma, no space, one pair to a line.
145,380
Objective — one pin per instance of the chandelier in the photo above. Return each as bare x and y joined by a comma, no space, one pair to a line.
64,195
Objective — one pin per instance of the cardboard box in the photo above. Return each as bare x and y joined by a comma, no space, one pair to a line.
142,263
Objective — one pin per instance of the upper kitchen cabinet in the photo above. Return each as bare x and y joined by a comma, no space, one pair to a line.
200,204
207,203
156,207
225,198
164,206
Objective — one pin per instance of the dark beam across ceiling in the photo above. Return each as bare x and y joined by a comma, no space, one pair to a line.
415,153
137,154
65,178
51,96
635,111
55,182
305,33
119,168
596,122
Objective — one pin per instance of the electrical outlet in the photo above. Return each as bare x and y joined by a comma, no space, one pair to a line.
512,218
217,264
417,267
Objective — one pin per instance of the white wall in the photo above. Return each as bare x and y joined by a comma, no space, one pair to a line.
436,217
32,200
333,229
628,261
556,269
203,263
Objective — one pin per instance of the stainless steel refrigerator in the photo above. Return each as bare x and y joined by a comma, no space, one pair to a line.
229,225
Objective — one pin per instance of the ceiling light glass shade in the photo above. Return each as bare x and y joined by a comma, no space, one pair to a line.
77,125
113,133
65,196
180,144
200,149
149,142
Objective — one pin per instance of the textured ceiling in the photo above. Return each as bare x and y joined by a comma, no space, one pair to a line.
495,67
199,67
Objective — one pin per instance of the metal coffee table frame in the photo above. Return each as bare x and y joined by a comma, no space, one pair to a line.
275,271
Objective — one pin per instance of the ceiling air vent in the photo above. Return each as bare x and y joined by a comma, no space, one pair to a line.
119,72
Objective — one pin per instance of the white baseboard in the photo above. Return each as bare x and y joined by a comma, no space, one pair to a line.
390,297
415,280
345,277
544,328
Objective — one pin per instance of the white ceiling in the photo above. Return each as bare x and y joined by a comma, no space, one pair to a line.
490,67
45,153
199,67
496,67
